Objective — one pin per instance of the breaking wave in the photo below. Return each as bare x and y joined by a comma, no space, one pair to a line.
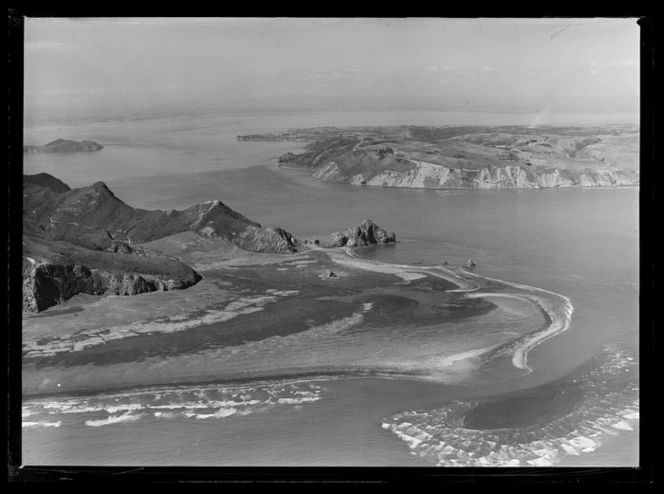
608,406
42,424
202,402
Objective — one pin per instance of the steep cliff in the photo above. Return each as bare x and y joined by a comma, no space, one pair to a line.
432,176
473,158
46,284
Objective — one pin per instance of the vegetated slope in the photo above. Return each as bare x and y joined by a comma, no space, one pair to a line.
472,157
94,217
80,241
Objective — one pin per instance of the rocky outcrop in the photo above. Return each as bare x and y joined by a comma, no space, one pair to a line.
287,158
64,146
48,284
364,234
268,239
122,247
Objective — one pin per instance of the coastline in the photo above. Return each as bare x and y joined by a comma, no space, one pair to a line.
460,189
450,365
559,322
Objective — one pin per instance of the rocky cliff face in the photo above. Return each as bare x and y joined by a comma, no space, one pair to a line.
473,158
48,284
432,176
364,234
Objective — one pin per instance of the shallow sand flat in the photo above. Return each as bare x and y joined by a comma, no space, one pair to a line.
439,352
282,317
114,310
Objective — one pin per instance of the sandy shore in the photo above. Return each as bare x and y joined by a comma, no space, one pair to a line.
558,308
287,318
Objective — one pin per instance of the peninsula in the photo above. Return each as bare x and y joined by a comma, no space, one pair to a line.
468,157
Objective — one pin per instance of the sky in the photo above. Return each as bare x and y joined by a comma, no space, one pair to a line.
244,61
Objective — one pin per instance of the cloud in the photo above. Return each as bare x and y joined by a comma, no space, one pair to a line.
50,47
486,68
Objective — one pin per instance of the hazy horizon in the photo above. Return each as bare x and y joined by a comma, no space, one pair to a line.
303,64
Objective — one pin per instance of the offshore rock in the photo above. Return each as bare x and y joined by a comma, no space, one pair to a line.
364,234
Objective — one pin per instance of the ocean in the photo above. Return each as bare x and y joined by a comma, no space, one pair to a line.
580,243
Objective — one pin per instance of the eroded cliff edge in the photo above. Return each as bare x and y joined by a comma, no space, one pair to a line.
470,157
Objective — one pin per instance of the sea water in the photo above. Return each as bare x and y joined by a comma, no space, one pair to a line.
581,243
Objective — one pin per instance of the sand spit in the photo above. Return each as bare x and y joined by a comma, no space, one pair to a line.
558,308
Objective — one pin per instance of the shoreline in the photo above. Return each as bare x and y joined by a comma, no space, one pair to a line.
464,359
558,322
520,358
463,189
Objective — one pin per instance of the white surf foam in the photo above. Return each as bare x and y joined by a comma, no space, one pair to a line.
42,424
114,419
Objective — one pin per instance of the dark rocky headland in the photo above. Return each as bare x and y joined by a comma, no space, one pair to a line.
86,240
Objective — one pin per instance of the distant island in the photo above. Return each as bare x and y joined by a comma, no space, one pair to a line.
64,146
467,157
